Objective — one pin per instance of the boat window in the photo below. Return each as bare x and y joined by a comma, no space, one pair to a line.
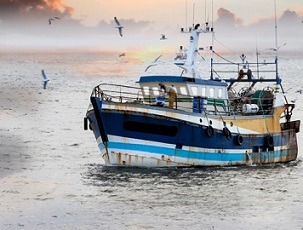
203,92
156,91
183,90
211,92
157,129
220,93
146,90
194,90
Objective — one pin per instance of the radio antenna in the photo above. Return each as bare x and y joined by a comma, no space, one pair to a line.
205,10
276,27
193,14
186,14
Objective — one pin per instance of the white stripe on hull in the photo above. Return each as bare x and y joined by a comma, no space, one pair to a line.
196,118
142,158
119,139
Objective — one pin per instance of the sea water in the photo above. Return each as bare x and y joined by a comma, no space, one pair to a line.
52,175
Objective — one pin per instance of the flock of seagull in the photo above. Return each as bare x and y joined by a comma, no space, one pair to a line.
45,80
119,27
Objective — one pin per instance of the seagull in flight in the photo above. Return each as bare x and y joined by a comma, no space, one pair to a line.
153,63
122,54
51,19
163,37
118,26
44,79
276,49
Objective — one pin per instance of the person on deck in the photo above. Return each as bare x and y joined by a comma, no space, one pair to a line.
172,93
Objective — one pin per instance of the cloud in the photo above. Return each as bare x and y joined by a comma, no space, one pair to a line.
12,10
22,20
290,16
231,30
228,19
25,22
30,17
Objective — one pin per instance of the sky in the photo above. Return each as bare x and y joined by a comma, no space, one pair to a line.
89,24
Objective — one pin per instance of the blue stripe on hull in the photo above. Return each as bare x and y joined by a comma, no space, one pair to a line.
176,152
135,155
207,156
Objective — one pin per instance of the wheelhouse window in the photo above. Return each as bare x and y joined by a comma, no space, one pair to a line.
146,90
156,91
211,92
183,90
203,94
194,90
220,93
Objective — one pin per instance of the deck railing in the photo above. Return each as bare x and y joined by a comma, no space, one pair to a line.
128,94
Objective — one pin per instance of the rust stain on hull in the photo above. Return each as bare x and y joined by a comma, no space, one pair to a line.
117,158
262,154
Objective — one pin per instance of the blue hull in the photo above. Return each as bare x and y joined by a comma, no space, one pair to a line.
146,140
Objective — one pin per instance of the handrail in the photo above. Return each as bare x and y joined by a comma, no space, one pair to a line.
127,94
259,71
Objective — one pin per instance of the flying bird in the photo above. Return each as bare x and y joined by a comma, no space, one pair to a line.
51,19
118,26
44,79
277,48
297,91
122,54
163,37
153,63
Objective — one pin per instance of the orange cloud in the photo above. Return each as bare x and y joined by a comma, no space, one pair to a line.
57,5
12,9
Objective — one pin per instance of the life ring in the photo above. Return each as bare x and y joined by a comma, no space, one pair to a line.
210,131
227,133
269,140
239,139
85,123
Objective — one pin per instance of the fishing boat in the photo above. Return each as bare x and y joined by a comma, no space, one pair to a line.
235,114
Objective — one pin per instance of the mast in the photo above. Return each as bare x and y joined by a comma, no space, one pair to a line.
276,41
193,46
193,14
205,10
186,14
276,27
189,64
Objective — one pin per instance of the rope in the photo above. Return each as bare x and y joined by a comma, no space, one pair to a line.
224,58
264,115
233,113
224,45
